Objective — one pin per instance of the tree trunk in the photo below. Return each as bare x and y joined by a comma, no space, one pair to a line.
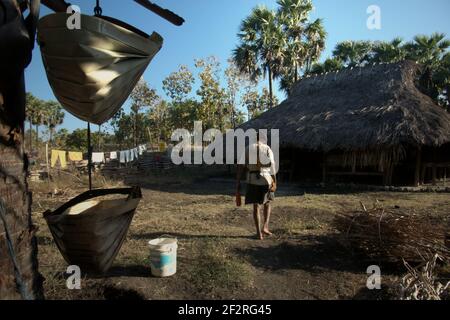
135,129
19,278
295,72
270,87
37,137
31,137
100,139
51,135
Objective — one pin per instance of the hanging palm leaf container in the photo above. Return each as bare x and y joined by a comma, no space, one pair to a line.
92,70
90,230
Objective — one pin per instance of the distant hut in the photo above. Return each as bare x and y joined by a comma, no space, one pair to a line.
370,124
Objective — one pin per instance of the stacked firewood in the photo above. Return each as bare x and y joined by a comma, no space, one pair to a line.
392,235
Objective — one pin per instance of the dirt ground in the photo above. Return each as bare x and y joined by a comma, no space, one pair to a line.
218,257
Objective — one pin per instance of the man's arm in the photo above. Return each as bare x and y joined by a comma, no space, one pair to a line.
274,183
273,171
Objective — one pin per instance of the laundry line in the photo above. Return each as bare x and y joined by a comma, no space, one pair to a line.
125,156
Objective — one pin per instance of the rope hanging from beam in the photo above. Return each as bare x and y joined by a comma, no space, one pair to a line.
98,11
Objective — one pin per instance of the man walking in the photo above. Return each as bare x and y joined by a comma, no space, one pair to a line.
259,162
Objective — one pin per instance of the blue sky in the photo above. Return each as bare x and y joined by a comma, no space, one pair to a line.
211,27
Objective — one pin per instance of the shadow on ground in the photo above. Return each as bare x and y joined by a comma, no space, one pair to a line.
315,254
181,236
227,187
132,271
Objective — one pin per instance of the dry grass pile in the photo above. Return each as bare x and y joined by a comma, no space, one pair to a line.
421,283
392,235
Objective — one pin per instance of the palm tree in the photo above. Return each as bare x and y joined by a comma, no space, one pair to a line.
354,53
38,115
430,52
261,46
329,65
293,14
53,117
441,78
245,58
316,37
305,40
30,113
389,52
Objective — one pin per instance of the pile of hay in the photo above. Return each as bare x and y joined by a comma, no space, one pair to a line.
392,235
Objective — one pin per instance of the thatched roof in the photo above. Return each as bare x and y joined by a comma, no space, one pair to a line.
372,107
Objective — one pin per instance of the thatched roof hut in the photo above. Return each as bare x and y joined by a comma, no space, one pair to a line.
373,112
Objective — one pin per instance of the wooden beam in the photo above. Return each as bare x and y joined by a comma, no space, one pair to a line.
56,5
61,6
163,13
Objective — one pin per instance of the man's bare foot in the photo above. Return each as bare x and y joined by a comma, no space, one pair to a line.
259,237
267,233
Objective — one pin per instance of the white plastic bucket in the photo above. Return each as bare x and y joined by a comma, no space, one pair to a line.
163,256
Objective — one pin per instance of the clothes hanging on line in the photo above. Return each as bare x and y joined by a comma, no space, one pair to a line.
136,153
75,156
113,155
123,157
98,157
142,148
130,155
58,155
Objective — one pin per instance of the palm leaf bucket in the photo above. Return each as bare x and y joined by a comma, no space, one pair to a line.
90,229
92,70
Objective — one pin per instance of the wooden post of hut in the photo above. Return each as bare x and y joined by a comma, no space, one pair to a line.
19,277
417,175
423,174
434,168
389,173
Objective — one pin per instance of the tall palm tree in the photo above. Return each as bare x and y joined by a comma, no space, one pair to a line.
53,117
305,40
316,37
261,45
293,14
388,52
39,114
30,113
